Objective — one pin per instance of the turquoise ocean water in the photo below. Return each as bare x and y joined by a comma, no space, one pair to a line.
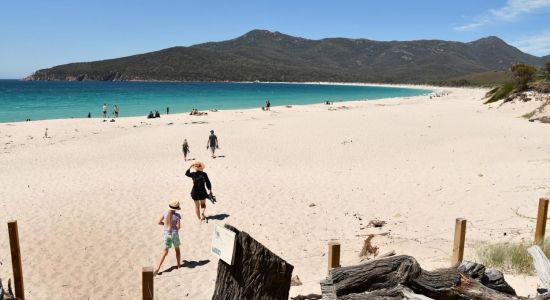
40,100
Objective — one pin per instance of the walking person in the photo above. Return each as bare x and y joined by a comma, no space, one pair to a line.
185,149
104,110
115,111
212,143
167,110
170,219
200,184
267,104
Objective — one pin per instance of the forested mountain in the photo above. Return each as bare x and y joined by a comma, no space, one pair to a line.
272,56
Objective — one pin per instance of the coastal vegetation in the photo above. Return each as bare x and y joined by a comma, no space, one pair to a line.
509,256
523,74
523,77
483,79
500,92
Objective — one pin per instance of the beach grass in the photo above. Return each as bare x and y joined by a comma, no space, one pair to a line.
501,93
509,256
529,115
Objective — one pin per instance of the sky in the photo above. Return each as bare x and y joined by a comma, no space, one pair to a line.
40,34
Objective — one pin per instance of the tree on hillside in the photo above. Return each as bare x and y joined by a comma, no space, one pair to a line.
547,70
523,74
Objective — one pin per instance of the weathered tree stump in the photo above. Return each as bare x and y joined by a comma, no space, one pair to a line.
256,273
401,277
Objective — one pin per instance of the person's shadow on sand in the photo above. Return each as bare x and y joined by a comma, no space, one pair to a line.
187,264
217,217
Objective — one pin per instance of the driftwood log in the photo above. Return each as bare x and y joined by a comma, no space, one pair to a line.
256,272
401,277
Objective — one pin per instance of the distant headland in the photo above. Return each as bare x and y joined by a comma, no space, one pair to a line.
272,56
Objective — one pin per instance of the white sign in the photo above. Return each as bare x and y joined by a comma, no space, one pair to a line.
223,243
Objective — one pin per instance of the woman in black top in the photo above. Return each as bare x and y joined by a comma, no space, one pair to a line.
198,193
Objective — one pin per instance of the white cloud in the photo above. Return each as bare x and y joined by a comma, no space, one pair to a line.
471,26
508,13
537,44
514,8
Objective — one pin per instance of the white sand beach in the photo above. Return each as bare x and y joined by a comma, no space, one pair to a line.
87,199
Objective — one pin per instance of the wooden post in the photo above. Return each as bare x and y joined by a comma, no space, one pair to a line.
460,236
541,220
16,259
147,283
333,255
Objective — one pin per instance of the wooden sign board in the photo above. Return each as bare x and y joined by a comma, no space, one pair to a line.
223,243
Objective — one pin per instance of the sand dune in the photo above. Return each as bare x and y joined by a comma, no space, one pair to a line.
87,198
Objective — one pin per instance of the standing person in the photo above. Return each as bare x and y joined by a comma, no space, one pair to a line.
115,110
167,110
185,149
198,193
267,104
104,110
212,143
171,221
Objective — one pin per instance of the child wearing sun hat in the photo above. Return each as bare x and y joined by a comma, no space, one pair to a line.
170,219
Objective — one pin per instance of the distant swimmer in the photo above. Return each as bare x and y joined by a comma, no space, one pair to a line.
185,149
104,110
170,219
212,143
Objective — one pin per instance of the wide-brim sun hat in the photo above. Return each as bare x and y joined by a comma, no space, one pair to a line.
199,166
174,205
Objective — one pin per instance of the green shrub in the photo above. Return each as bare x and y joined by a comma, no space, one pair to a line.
529,115
509,256
501,92
523,74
